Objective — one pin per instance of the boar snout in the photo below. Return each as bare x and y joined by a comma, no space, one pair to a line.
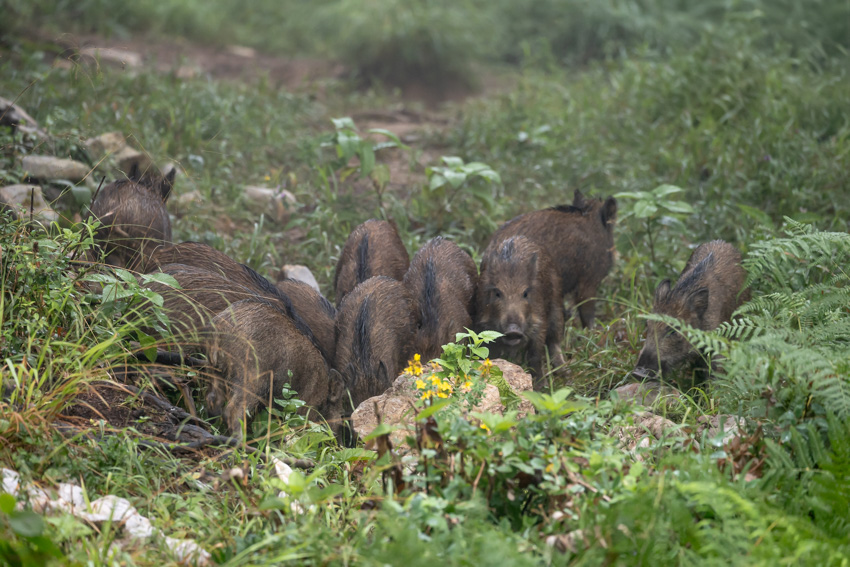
513,335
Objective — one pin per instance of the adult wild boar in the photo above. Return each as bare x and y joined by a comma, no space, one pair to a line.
133,218
375,336
707,293
580,240
519,296
442,280
373,248
257,348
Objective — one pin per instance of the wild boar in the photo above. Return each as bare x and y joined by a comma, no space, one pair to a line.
374,248
442,280
518,295
256,348
707,293
375,336
580,240
133,218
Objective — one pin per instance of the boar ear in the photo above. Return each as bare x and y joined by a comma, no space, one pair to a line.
135,174
608,213
578,199
336,386
662,290
698,302
167,183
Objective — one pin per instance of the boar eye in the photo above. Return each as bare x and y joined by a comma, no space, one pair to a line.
669,332
497,294
526,293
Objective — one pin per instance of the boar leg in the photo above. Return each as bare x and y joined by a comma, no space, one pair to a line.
535,363
586,307
555,336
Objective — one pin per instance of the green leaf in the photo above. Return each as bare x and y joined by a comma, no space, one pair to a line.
344,122
664,190
432,409
455,178
678,207
489,336
164,279
7,503
367,159
382,429
437,181
644,209
452,161
26,523
757,215
389,135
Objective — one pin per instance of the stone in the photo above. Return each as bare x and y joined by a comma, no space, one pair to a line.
280,202
13,115
396,404
49,168
242,51
647,393
647,425
107,143
120,57
187,72
20,197
724,426
300,273
188,199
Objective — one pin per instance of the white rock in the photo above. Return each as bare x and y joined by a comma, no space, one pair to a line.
121,57
279,202
107,143
49,167
190,198
11,481
20,197
187,550
302,274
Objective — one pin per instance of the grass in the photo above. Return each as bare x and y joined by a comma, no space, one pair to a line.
751,124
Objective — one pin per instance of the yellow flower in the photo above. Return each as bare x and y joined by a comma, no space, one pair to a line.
268,178
435,380
550,467
445,386
484,427
442,395
417,358
427,394
416,370
467,386
420,385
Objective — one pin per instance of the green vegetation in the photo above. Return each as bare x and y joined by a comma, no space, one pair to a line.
709,120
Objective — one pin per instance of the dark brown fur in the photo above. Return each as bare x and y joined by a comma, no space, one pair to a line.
318,312
255,346
580,240
372,249
519,295
134,218
706,295
375,336
442,280
309,304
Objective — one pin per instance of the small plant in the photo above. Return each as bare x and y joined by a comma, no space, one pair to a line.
656,209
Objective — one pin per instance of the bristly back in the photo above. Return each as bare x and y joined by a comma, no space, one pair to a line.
571,209
430,296
690,281
363,259
266,287
362,340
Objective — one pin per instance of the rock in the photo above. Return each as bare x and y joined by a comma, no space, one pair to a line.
20,197
187,72
647,393
127,157
719,425
242,51
300,273
120,57
647,424
108,143
13,115
396,404
49,168
281,201
188,199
